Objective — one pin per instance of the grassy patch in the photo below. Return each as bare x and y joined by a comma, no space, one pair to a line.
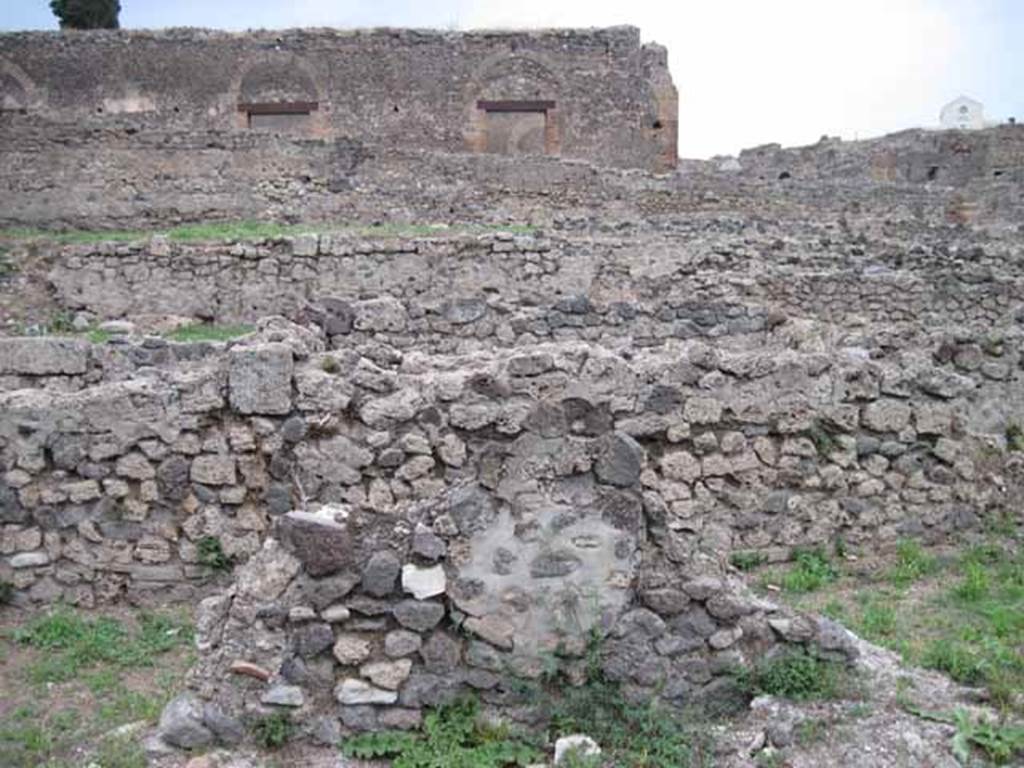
912,563
812,569
252,230
87,676
73,643
961,614
746,561
208,332
637,734
797,675
453,736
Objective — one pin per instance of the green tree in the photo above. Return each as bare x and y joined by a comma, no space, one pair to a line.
86,14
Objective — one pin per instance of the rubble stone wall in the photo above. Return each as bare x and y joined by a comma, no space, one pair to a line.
459,292
111,487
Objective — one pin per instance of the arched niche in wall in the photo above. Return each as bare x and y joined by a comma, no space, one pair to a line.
279,92
513,107
17,91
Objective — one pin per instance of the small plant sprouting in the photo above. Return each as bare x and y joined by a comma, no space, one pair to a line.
823,439
1014,437
746,561
273,731
330,364
212,555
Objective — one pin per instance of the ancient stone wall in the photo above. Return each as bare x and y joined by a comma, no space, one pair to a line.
111,487
598,94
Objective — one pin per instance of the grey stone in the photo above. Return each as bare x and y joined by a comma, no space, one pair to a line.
312,638
43,356
400,718
294,429
419,616
463,311
29,560
284,696
472,509
350,650
387,674
380,573
427,544
323,545
213,469
362,717
494,629
181,723
327,731
441,653
354,691
226,729
619,460
554,564
260,379
11,510
401,642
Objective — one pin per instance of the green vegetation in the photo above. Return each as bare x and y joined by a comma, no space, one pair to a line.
212,555
82,685
453,736
74,643
746,561
208,332
7,268
823,439
6,592
640,735
912,563
796,675
86,14
1014,437
253,230
812,569
273,731
962,615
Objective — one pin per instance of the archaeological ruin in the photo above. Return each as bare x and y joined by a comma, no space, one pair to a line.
484,408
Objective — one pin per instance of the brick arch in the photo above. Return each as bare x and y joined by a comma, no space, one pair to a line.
278,77
505,83
17,91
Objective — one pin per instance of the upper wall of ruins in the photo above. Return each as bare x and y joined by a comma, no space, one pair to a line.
593,94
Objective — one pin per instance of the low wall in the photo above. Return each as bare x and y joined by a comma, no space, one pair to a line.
110,489
455,292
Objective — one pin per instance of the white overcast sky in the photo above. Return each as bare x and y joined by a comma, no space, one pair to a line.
748,71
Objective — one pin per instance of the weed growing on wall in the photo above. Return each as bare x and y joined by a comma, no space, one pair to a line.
273,731
454,736
796,675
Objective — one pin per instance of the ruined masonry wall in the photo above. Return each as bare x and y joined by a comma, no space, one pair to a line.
455,293
108,490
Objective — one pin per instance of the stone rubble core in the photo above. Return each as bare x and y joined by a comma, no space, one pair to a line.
354,620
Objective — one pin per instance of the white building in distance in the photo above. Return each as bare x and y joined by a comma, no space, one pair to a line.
963,113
